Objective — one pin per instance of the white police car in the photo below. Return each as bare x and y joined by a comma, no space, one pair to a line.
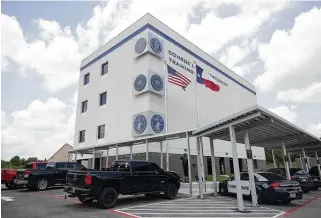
270,187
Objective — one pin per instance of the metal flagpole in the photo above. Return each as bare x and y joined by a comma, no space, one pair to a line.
166,114
196,98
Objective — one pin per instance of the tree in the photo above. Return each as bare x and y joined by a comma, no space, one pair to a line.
15,161
32,159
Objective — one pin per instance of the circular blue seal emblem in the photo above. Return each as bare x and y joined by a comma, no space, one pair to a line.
157,83
140,82
157,123
156,45
140,45
140,124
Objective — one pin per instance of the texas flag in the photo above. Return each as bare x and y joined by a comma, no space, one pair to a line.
208,81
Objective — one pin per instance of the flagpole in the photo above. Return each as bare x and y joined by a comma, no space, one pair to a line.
166,116
196,98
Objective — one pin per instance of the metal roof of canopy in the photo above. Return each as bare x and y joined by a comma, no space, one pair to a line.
142,140
265,129
309,151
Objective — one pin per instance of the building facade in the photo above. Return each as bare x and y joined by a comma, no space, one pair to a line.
62,154
149,80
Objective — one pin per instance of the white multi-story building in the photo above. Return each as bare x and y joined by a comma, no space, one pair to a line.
149,80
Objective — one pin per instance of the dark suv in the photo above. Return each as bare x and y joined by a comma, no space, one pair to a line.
54,174
298,175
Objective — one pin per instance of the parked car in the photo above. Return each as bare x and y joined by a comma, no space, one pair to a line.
54,174
124,177
270,187
8,176
297,174
314,173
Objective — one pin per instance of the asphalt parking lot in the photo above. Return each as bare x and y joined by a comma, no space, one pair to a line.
51,204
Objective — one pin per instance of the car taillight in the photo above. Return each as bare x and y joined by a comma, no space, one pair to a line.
275,185
27,173
292,177
88,179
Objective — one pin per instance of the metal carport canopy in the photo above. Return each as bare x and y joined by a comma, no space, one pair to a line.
310,151
265,129
141,140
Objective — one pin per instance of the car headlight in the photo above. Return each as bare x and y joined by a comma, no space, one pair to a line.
26,176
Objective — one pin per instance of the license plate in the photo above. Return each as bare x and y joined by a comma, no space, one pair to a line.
292,195
303,180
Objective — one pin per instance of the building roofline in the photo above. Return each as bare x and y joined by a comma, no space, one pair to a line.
60,150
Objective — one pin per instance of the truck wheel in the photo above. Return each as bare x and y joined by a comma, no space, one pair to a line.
85,201
108,198
42,184
171,191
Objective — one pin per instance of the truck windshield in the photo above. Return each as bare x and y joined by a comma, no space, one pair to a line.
28,166
50,165
120,166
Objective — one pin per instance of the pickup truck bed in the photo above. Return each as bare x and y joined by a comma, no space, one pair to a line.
124,177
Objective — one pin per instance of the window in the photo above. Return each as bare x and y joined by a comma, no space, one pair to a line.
101,132
102,98
104,68
74,165
50,165
272,176
245,177
41,165
61,165
86,78
143,166
81,136
84,106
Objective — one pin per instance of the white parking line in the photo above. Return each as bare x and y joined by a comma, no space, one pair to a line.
202,209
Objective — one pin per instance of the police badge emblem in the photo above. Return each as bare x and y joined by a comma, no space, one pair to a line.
157,123
140,45
157,83
156,45
140,124
140,82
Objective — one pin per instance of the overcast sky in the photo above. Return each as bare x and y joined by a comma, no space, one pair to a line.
274,45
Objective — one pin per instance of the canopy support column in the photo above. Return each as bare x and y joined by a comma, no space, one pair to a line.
94,156
131,152
116,151
274,161
107,157
167,156
305,160
318,163
100,161
286,163
240,203
301,161
250,168
147,150
161,155
213,167
199,167
189,165
290,162
202,163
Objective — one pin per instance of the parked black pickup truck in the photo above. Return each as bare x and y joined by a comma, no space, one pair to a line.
54,174
124,177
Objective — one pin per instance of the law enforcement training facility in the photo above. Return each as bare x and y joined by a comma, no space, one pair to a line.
149,81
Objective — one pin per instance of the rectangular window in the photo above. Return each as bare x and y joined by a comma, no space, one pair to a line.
102,98
101,132
84,106
104,68
86,78
81,136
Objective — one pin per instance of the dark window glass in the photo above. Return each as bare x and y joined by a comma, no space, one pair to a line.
104,68
41,165
245,177
101,132
61,165
120,166
143,166
81,136
272,176
86,78
102,98
84,106
74,165
300,173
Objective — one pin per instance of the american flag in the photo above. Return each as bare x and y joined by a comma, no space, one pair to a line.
177,78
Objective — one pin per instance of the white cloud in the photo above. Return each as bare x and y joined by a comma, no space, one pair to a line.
292,58
39,130
315,129
311,94
285,112
54,56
